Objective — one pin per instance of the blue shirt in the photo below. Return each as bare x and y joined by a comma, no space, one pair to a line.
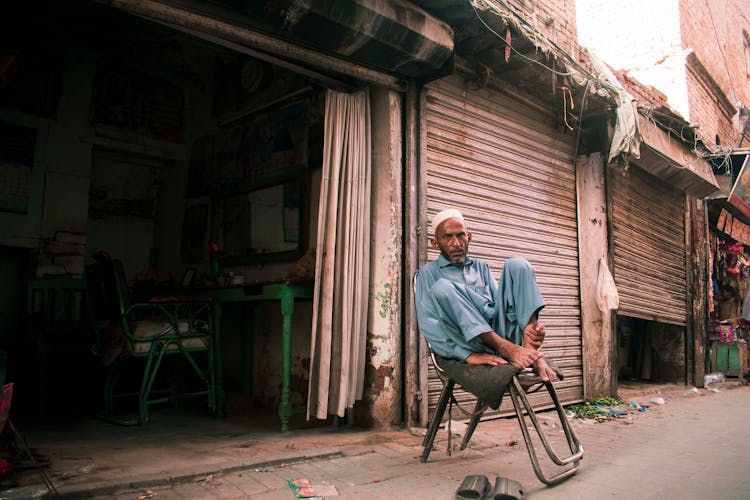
455,303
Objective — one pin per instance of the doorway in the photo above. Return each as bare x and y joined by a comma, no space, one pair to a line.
650,351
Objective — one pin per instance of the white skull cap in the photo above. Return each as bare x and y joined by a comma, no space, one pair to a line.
449,213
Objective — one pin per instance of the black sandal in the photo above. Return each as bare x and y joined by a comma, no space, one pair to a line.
506,489
475,486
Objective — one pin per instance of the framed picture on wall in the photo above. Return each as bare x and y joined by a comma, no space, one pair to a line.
188,277
262,225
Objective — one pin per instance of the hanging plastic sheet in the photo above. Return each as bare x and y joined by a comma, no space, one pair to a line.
607,297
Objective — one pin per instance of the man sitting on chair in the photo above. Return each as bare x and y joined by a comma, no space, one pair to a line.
482,333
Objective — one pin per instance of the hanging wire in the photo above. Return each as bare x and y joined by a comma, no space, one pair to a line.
721,51
539,35
566,92
719,151
580,122
510,46
712,150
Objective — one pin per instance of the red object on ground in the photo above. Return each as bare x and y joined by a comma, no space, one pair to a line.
5,467
6,395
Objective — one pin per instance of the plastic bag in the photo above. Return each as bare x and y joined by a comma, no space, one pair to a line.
607,297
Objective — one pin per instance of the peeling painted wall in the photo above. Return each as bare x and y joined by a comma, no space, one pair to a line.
381,406
58,197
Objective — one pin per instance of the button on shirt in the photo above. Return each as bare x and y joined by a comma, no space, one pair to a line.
452,323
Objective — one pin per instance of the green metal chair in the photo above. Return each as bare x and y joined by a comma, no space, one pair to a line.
59,329
147,335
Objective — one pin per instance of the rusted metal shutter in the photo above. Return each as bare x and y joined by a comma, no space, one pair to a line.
648,230
511,173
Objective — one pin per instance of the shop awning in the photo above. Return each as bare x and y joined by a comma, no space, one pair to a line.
739,197
390,36
671,161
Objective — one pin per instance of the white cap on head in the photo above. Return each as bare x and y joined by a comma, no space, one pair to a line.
449,213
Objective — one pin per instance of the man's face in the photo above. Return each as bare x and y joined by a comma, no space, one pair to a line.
452,239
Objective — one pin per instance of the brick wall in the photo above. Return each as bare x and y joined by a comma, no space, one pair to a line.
642,93
556,19
63,253
715,122
715,33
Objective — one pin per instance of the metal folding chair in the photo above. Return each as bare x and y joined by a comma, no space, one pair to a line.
525,382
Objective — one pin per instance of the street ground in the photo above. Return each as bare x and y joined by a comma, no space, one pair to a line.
693,446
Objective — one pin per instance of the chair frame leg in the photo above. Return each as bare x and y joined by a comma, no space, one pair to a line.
147,382
479,410
520,404
429,437
113,374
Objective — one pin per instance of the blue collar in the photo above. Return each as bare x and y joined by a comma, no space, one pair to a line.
443,262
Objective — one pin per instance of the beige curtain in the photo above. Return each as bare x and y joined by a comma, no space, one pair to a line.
339,332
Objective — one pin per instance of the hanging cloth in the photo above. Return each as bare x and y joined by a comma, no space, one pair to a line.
342,263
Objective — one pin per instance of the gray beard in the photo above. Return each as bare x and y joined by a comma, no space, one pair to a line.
452,261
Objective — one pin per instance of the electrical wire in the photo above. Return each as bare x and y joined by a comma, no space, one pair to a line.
696,137
580,122
510,46
717,151
721,51
559,50
566,92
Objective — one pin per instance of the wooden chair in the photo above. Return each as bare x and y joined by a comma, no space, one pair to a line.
150,333
523,383
60,330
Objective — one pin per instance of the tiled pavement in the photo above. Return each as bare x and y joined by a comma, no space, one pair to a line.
695,446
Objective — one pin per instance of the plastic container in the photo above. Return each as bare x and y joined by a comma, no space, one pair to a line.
713,378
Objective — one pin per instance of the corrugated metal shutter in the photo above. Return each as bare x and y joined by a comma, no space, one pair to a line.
512,174
648,230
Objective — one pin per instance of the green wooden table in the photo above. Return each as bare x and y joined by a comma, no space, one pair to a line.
286,292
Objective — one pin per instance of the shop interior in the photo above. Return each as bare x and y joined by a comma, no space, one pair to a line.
728,331
651,351
192,164
729,261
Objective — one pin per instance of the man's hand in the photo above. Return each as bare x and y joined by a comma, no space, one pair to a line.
518,356
484,358
533,335
522,357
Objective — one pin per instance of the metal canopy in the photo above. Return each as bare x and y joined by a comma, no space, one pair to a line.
672,162
395,37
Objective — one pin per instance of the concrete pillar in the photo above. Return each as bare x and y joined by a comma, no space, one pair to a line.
383,372
598,337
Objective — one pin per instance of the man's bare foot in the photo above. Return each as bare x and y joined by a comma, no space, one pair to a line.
533,335
544,371
522,357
